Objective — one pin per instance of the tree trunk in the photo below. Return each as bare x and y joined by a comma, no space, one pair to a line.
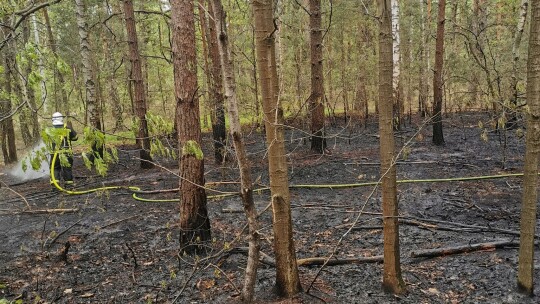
532,153
41,68
246,190
60,104
438,138
194,221
396,73
7,134
392,280
515,60
112,86
143,141
316,99
92,107
287,279
217,109
423,89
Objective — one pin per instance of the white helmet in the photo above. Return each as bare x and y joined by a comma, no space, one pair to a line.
57,119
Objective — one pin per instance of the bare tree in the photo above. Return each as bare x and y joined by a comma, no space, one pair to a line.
194,221
392,280
246,190
287,279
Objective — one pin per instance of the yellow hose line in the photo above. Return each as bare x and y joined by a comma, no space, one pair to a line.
259,190
409,181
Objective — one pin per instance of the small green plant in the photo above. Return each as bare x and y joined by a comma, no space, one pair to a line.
191,147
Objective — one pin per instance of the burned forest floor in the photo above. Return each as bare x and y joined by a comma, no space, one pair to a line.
107,247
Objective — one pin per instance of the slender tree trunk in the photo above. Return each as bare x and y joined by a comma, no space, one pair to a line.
316,99
216,93
246,190
111,84
41,68
87,70
194,221
60,104
423,89
515,60
438,138
7,134
392,280
532,153
396,73
255,78
143,140
287,279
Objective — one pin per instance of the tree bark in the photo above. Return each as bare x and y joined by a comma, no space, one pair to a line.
438,136
287,279
246,190
143,140
437,252
92,105
396,73
60,104
515,60
316,99
112,85
7,134
528,221
392,280
194,221
423,90
217,109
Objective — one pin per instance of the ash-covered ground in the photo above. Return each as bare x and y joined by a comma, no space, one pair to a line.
107,247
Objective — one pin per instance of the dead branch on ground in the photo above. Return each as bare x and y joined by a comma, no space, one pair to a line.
430,253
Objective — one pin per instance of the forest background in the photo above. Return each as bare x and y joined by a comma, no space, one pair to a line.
83,60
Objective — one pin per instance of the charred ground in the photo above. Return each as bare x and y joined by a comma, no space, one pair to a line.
121,250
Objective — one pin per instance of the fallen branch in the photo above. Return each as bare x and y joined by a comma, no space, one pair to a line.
476,227
430,253
45,211
266,259
333,262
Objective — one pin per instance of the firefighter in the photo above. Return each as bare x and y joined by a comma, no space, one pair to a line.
62,157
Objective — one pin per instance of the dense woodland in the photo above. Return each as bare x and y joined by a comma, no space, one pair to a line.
161,73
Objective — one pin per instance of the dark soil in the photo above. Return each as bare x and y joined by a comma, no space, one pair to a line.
121,250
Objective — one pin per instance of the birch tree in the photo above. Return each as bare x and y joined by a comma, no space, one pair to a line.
522,17
396,59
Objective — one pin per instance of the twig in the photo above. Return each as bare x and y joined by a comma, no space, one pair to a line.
21,196
228,279
119,221
185,284
61,233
